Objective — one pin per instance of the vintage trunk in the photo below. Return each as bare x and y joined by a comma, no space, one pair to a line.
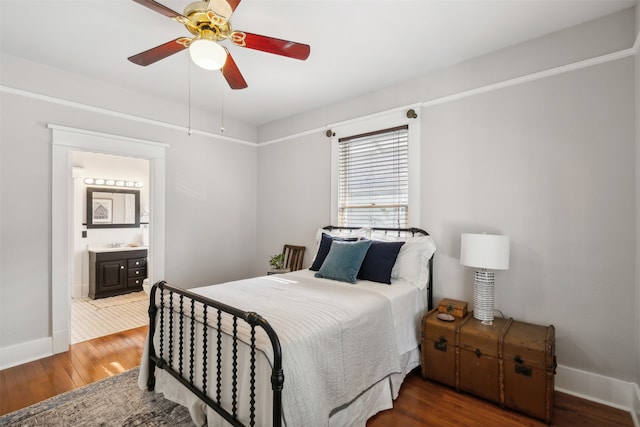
510,363
439,348
454,307
481,357
529,368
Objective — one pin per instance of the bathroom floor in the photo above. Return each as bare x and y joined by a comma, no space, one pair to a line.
95,318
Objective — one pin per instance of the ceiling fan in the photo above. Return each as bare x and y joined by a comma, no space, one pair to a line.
209,22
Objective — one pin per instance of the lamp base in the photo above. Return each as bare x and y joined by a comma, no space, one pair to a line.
483,291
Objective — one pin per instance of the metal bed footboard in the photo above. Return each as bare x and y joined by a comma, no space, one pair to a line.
187,306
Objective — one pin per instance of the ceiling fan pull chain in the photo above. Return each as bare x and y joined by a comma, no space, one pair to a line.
189,82
222,112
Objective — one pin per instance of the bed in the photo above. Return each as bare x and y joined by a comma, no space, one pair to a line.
328,347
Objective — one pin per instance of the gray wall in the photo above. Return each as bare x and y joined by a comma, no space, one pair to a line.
294,188
548,162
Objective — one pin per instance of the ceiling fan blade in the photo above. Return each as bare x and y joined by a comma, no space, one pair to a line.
272,45
232,74
159,52
223,8
164,10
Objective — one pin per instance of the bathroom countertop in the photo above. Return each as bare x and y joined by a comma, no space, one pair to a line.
120,249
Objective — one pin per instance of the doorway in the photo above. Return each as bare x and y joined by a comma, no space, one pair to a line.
64,142
96,317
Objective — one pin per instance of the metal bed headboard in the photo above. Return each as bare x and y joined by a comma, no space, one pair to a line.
400,231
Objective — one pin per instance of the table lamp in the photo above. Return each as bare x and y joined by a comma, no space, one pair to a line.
484,252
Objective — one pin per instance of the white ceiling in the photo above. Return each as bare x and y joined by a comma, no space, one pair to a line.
357,46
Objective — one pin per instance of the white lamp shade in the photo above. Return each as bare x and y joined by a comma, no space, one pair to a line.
207,54
488,251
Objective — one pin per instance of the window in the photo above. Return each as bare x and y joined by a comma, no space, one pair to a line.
375,171
373,179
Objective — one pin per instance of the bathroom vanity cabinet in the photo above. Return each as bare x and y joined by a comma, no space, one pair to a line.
116,272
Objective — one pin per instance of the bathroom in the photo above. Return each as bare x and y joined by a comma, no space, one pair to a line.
96,313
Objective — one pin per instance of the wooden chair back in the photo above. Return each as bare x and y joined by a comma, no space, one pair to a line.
293,256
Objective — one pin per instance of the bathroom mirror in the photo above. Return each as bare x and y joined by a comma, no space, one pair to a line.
113,208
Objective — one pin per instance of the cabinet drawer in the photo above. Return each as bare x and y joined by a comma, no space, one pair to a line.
137,272
137,263
135,282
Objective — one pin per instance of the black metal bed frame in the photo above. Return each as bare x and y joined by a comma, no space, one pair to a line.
188,315
184,305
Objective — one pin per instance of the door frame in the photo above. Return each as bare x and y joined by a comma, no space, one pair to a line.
64,141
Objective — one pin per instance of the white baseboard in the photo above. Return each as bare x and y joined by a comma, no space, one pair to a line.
25,352
76,290
598,388
635,412
60,341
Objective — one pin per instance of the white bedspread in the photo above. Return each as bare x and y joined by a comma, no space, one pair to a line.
338,339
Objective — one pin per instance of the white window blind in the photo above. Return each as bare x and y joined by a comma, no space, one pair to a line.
373,179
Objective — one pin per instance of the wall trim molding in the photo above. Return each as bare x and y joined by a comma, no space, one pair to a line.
18,354
532,77
635,409
479,90
78,131
425,104
598,388
119,114
339,124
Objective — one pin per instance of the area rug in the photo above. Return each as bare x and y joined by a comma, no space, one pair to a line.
113,401
118,314
118,300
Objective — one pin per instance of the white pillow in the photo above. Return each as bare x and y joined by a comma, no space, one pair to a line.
359,233
388,236
412,264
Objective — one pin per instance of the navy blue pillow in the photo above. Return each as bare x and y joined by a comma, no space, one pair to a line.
323,249
379,261
344,260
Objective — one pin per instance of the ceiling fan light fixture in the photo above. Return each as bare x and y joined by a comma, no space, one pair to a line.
207,54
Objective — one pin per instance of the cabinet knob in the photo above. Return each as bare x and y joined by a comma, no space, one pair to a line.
122,267
137,262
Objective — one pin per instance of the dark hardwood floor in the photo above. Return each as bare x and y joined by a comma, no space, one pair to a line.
426,403
84,363
421,403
